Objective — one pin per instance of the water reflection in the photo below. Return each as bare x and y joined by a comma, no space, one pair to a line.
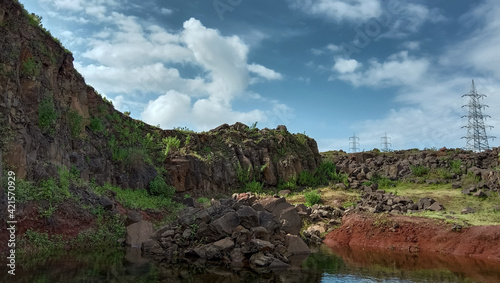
325,265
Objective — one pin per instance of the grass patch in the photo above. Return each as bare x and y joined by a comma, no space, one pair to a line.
333,197
453,201
47,115
312,198
75,123
137,199
419,171
96,125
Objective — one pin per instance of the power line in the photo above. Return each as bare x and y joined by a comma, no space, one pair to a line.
477,140
354,143
385,143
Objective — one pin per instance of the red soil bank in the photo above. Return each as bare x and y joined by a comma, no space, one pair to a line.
415,235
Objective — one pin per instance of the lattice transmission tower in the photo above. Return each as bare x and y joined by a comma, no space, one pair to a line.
354,143
477,140
385,143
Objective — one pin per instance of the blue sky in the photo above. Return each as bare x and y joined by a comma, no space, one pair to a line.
329,68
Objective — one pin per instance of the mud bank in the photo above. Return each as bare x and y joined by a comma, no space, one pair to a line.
415,235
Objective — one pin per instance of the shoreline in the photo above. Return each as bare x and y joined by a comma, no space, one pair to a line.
415,235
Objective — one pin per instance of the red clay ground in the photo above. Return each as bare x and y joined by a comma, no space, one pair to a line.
415,235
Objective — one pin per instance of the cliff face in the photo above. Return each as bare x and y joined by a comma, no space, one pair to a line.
52,118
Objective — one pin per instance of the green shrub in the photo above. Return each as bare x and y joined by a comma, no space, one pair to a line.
455,166
383,182
184,130
443,173
96,125
40,243
242,175
47,115
288,185
419,170
254,187
203,201
158,187
327,172
31,67
136,199
306,178
170,143
302,138
50,191
75,123
24,191
312,198
109,228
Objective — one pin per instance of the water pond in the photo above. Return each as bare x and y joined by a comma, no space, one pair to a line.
324,265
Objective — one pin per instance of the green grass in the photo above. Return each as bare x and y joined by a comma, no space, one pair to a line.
419,170
312,198
96,125
31,67
75,123
170,143
453,201
47,115
137,199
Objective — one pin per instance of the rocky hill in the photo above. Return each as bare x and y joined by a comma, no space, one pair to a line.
51,119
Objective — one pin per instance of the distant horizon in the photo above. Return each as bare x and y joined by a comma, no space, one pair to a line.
326,68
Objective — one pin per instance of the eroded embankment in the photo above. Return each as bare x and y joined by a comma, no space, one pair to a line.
415,235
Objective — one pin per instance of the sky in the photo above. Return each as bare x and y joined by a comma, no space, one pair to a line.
328,68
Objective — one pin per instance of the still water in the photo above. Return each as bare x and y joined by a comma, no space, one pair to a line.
324,265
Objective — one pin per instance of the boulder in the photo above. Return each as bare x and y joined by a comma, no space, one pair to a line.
425,203
290,221
268,221
436,206
260,233
224,245
257,245
248,217
296,246
138,233
226,223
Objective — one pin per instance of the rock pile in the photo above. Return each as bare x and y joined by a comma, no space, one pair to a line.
241,232
376,201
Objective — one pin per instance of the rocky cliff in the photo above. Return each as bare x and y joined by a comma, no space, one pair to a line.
51,119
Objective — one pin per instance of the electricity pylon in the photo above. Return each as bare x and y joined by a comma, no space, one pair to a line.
477,140
385,143
354,143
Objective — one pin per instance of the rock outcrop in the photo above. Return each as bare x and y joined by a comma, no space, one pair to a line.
242,232
441,166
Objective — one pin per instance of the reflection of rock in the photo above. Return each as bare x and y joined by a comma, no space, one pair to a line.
138,233
134,255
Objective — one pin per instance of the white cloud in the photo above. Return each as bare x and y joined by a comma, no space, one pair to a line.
340,10
398,70
412,45
172,109
166,11
333,47
479,50
346,65
224,57
265,72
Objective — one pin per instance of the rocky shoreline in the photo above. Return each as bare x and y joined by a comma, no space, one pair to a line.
244,231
